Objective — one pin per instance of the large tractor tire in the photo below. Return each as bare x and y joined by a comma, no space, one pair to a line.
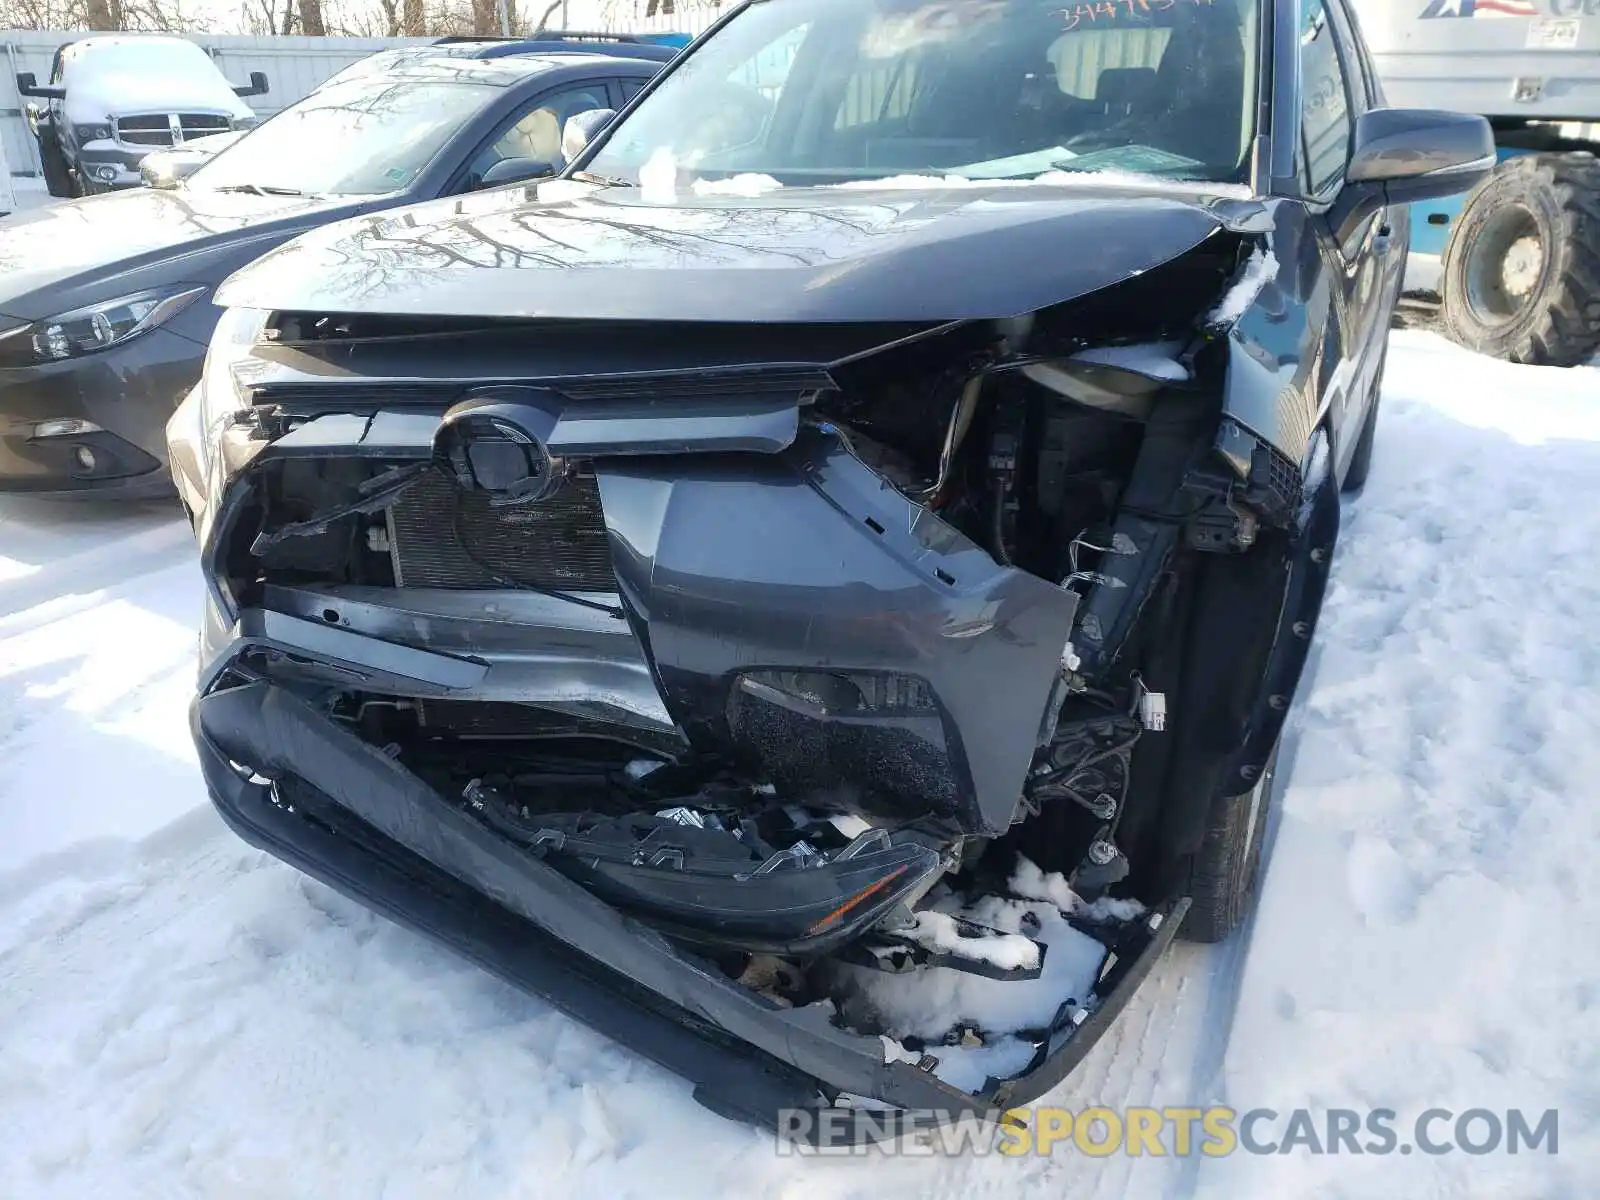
1522,267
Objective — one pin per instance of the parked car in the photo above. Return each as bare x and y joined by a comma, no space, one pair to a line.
549,41
111,98
864,523
168,168
164,168
105,303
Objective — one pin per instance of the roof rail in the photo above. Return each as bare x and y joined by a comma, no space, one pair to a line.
542,35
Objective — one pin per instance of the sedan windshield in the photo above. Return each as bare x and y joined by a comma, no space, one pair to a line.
367,137
830,91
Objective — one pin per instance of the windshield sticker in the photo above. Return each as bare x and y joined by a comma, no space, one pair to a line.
894,33
398,174
1079,16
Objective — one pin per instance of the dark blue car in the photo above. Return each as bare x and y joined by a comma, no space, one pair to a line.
105,307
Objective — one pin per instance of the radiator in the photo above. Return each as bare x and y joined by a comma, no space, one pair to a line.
443,537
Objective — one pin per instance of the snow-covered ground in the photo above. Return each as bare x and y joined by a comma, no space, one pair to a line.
26,194
180,1015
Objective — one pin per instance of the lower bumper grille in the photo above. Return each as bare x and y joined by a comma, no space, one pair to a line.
443,537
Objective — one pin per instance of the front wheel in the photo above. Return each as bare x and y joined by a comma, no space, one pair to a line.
57,175
1224,872
1522,267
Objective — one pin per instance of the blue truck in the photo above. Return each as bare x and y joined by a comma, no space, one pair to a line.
1514,266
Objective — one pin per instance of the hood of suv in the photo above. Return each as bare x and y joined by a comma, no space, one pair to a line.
48,250
572,251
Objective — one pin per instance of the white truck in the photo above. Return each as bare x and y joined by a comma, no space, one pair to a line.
1515,265
112,99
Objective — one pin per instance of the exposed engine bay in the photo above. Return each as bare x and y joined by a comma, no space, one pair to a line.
860,652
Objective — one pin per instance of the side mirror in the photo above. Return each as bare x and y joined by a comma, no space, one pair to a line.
1401,155
257,86
515,170
28,85
580,130
165,172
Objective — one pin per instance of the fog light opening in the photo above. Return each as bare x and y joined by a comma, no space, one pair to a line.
106,174
84,457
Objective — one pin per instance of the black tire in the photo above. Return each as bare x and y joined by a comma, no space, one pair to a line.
1522,267
1223,873
57,175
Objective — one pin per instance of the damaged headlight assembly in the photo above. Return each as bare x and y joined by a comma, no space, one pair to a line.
94,327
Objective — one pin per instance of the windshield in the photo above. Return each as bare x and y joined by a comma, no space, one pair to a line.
367,137
831,91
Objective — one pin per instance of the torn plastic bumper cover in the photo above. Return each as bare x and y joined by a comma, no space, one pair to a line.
295,784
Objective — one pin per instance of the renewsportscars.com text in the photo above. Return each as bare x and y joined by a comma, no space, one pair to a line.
1214,1132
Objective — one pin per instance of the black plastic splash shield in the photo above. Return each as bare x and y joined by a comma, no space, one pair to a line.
749,1060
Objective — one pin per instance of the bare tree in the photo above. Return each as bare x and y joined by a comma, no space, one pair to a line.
413,19
311,22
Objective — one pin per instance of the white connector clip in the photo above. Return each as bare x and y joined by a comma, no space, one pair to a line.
1152,707
1069,658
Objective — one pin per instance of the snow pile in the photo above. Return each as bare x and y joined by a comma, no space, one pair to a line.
942,932
658,178
1031,882
1259,270
932,1002
1429,928
1093,179
748,186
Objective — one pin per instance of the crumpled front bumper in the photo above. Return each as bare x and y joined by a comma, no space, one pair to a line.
364,825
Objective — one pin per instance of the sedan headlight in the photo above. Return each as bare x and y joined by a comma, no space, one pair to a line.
94,328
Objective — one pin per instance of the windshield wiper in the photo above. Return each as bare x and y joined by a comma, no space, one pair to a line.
260,189
602,180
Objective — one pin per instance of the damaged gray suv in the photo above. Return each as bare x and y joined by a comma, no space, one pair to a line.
814,586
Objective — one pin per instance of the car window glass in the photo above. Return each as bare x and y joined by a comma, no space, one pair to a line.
1325,122
631,88
372,135
835,91
536,134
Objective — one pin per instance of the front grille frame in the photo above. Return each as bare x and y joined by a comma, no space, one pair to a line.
154,130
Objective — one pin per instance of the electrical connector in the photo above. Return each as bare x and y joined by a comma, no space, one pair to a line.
1150,707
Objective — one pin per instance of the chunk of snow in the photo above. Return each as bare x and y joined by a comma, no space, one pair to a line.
747,185
658,178
941,932
893,1051
1033,883
970,1067
1091,179
1259,269
930,1001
